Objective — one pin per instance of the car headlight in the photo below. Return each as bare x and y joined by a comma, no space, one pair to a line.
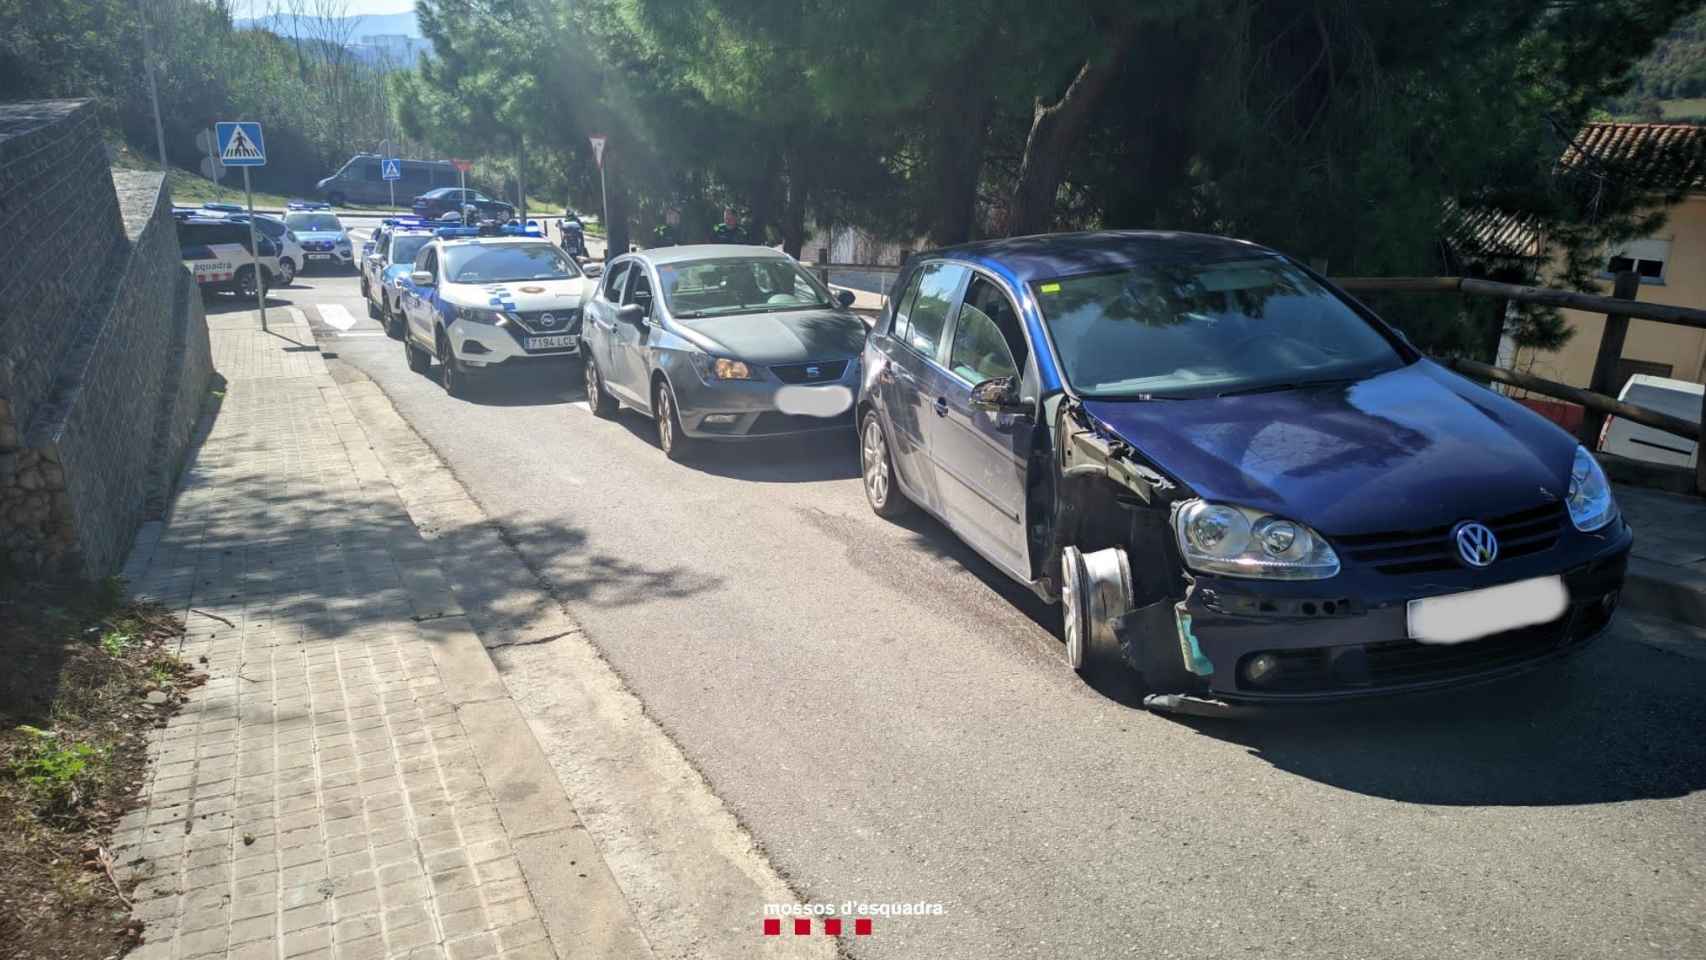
477,315
1590,501
1239,542
712,369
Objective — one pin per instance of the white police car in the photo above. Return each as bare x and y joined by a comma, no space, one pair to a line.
482,298
325,242
216,251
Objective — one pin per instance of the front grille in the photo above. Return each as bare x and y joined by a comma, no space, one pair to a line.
1396,663
1432,550
827,371
318,246
568,320
774,422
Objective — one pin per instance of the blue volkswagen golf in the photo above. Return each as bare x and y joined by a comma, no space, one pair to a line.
1232,476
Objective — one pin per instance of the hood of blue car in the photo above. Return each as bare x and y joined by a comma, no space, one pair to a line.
1411,448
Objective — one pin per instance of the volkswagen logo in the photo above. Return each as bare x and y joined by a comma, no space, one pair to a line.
1476,544
548,319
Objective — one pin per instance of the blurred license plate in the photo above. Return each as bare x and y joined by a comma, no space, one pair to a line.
549,343
1458,617
319,256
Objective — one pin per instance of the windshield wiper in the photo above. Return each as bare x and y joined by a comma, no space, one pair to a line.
1278,387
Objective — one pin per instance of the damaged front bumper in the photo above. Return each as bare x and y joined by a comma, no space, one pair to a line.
1261,642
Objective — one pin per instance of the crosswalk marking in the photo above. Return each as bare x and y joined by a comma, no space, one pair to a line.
336,316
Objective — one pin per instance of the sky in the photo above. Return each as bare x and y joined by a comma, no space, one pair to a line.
249,9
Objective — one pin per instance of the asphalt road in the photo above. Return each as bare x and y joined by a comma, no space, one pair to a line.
895,723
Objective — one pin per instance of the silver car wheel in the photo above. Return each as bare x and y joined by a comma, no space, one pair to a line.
666,427
1070,599
876,463
286,272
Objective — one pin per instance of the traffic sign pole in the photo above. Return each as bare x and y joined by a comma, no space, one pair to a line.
603,194
255,254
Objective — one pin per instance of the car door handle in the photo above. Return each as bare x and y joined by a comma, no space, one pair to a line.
941,406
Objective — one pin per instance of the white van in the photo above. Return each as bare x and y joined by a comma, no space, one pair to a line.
1679,398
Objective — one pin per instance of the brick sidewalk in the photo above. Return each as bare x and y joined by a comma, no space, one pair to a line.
319,796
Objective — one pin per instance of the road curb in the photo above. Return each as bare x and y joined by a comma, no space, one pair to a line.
1661,590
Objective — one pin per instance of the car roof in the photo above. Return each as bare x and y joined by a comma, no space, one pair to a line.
488,241
1664,383
1049,255
711,251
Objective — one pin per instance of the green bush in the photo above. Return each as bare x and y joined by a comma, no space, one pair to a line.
57,776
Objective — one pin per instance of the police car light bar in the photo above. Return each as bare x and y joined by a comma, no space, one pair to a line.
513,230
306,205
454,233
405,222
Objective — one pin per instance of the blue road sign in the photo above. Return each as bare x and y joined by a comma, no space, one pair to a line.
240,143
391,169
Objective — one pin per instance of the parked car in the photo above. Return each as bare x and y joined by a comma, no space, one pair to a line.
1233,477
217,253
361,180
1626,438
291,256
480,303
436,203
383,271
325,242
720,343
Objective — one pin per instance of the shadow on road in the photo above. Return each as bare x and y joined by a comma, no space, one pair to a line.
811,458
1619,722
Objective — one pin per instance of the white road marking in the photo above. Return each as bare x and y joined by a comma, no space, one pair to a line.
335,315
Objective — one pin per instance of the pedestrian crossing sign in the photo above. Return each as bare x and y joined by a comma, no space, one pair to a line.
391,170
240,143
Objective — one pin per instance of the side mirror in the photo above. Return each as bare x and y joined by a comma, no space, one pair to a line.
421,278
998,395
845,298
592,268
631,313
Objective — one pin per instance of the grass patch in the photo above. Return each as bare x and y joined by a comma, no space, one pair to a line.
89,675
1693,109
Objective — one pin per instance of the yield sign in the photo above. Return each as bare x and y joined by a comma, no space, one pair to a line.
240,144
597,140
391,170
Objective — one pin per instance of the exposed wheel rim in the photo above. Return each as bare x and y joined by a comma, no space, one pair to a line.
286,273
1069,601
666,418
591,373
876,458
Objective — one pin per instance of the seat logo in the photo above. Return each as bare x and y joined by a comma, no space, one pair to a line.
548,319
1476,544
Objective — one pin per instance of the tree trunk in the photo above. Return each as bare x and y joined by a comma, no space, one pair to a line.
764,197
616,235
1055,129
957,162
794,212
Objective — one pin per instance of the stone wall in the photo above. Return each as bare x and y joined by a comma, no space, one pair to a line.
105,361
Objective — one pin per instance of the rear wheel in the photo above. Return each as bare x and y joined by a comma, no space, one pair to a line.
675,444
419,361
245,283
877,465
388,317
286,272
598,400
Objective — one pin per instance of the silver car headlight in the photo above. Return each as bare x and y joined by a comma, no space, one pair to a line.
1591,503
713,369
1240,542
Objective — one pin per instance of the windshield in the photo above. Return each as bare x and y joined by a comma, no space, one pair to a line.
702,288
1181,330
403,249
312,221
475,263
